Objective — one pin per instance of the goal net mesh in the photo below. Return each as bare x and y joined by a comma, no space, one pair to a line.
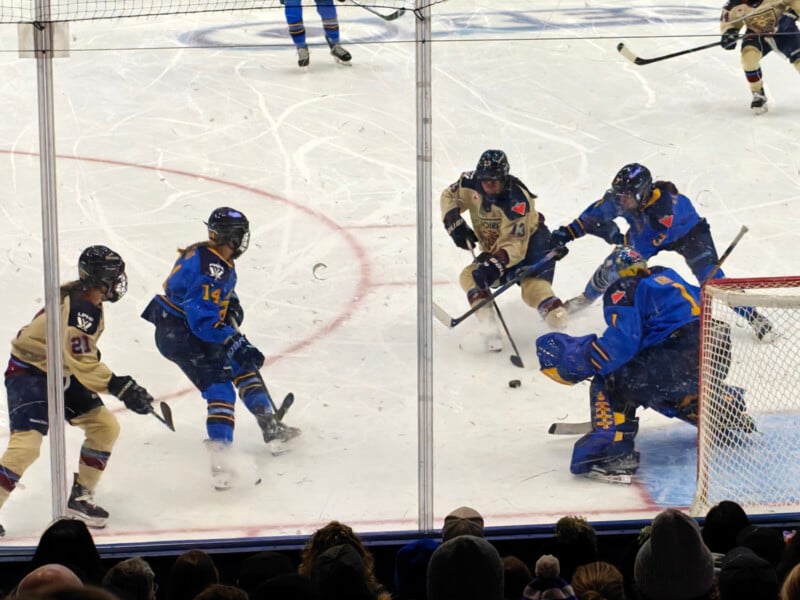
749,397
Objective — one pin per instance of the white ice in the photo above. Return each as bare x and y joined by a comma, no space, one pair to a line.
158,121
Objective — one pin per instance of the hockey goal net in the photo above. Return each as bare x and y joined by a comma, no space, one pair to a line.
749,397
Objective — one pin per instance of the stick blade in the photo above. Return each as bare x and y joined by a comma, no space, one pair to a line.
626,52
285,406
561,428
442,316
166,412
394,15
516,360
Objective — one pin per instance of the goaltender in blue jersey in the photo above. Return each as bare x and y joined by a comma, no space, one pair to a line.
647,357
659,218
197,321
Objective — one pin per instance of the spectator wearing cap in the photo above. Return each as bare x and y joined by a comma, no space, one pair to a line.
746,576
674,563
547,583
462,521
411,570
598,580
465,567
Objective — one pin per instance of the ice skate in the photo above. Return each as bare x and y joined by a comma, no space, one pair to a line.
759,103
222,474
303,57
340,55
557,318
616,470
762,328
577,303
275,433
489,330
2,531
81,505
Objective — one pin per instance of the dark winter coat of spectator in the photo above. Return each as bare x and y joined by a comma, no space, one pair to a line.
575,543
336,534
47,579
291,586
767,542
547,583
339,573
723,523
262,567
674,563
411,570
516,576
68,542
462,521
598,581
746,576
191,573
465,568
131,579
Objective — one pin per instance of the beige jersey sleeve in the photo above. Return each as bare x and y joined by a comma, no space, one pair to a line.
81,325
761,19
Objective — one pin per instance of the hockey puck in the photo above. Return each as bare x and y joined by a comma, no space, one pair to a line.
514,383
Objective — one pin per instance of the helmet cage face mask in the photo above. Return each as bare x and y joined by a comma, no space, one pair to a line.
227,226
628,263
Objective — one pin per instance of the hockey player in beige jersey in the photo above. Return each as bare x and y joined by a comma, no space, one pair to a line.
510,233
102,278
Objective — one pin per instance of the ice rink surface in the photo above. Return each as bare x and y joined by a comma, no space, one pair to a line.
158,121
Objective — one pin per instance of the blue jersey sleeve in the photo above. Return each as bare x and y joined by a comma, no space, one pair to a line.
200,286
667,217
598,219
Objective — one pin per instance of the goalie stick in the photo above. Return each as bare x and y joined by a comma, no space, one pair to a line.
637,60
529,271
390,17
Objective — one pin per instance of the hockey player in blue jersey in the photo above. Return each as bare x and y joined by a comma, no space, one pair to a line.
659,218
197,321
647,356
330,23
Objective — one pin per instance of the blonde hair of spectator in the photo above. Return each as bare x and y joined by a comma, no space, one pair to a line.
598,581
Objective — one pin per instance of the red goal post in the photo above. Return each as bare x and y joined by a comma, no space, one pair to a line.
745,382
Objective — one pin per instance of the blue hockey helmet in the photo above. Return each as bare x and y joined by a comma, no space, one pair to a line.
101,267
228,226
492,165
628,262
633,179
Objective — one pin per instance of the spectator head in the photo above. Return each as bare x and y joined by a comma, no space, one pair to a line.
261,567
746,576
674,563
411,569
218,591
339,573
547,583
48,578
575,544
191,573
790,590
462,521
465,567
515,577
723,523
290,586
68,542
767,542
131,579
598,581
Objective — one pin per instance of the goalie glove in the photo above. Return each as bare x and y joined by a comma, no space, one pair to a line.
134,396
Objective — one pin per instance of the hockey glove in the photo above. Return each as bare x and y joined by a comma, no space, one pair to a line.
134,396
234,315
491,267
462,235
560,237
729,39
242,352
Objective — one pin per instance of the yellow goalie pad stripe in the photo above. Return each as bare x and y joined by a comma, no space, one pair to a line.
552,373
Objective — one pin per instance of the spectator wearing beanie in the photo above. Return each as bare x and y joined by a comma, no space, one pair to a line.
746,576
598,581
722,524
465,567
767,542
515,577
462,521
548,583
411,570
674,563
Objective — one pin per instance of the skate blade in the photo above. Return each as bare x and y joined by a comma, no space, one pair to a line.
344,63
609,478
768,337
93,522
759,110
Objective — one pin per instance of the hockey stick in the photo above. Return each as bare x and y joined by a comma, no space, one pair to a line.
516,359
443,317
166,411
637,60
742,230
390,17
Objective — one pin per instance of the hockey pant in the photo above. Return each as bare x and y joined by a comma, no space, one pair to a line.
755,47
207,367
